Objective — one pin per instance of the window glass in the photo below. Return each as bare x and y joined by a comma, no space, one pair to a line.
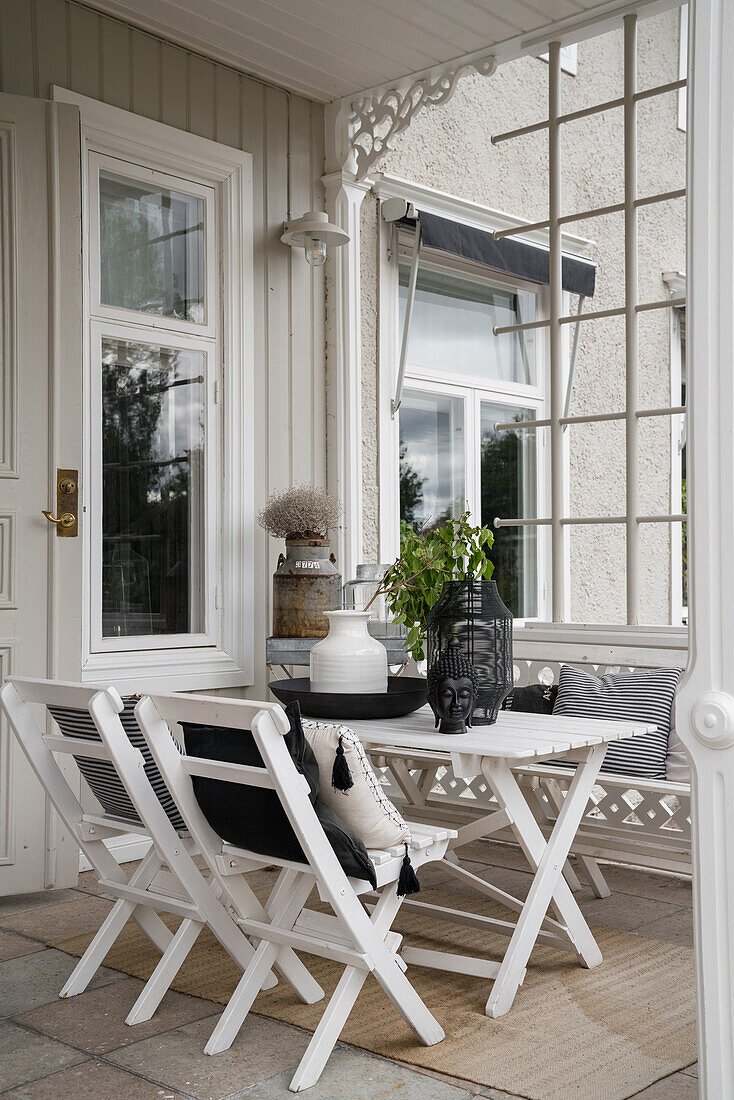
452,321
152,489
432,482
151,249
509,491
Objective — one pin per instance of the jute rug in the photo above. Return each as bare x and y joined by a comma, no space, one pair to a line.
601,1034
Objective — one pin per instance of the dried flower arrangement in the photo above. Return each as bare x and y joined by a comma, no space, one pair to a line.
301,512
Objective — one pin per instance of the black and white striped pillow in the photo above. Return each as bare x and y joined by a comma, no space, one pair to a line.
101,776
641,696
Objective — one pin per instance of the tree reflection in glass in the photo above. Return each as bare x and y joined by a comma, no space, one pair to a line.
151,249
432,481
153,505
508,487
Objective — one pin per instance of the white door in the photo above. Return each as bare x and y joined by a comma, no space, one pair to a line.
40,433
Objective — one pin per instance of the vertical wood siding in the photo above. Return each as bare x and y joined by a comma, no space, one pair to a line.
45,42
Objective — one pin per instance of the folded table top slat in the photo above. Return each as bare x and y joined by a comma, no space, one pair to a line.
513,736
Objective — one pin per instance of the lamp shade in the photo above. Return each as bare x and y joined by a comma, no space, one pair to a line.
314,225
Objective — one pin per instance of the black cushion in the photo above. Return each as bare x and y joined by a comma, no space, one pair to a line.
534,699
253,817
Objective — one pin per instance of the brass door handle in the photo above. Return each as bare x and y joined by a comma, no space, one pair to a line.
66,519
67,504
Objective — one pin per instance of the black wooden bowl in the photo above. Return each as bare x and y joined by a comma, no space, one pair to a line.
404,694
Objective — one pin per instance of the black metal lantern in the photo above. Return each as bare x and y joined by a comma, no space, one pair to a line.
472,611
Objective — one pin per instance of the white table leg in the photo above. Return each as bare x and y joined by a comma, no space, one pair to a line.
547,860
592,869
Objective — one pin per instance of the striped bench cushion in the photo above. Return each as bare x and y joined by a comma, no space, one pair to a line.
103,780
641,696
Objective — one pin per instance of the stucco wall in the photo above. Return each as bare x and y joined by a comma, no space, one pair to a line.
449,148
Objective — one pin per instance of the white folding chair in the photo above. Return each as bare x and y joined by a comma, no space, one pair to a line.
167,880
362,942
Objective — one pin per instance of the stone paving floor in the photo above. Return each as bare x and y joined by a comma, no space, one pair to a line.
82,1049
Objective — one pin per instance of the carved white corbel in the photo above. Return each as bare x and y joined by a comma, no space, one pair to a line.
377,118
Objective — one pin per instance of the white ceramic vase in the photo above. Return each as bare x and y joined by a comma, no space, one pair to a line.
349,660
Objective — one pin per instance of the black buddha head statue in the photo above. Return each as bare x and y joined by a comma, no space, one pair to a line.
453,683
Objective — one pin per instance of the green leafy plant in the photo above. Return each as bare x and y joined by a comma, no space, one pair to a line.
427,559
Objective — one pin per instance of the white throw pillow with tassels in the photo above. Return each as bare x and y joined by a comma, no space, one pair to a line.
349,786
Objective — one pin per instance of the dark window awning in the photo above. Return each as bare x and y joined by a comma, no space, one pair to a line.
508,255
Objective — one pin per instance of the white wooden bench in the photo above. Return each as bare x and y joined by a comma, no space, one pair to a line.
641,822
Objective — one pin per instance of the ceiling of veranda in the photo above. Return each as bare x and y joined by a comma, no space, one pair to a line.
330,49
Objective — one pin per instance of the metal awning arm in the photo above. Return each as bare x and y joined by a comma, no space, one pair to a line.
395,404
572,364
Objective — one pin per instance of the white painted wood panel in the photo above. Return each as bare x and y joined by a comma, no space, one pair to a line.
40,320
331,49
60,42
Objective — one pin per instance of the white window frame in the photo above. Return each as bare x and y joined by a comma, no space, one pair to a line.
445,205
99,162
223,655
683,67
569,59
473,390
678,610
211,520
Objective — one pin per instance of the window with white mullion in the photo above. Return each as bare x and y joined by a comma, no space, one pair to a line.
168,265
678,479
153,553
154,353
460,380
153,234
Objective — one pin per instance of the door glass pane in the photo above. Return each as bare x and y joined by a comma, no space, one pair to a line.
452,320
509,491
151,249
152,489
432,486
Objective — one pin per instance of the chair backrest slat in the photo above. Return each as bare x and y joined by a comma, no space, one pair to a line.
68,705
213,710
228,773
75,746
39,755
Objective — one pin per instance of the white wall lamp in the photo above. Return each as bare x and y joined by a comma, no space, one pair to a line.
313,232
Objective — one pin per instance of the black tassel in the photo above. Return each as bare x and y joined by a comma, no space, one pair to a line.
408,881
341,777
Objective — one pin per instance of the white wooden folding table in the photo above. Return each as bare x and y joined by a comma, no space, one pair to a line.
495,752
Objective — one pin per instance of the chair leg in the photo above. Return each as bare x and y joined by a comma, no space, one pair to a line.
330,1026
342,1001
407,1001
389,973
242,999
148,921
153,927
92,958
168,967
284,906
287,963
298,976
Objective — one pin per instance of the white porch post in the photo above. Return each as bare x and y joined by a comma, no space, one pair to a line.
344,195
705,710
